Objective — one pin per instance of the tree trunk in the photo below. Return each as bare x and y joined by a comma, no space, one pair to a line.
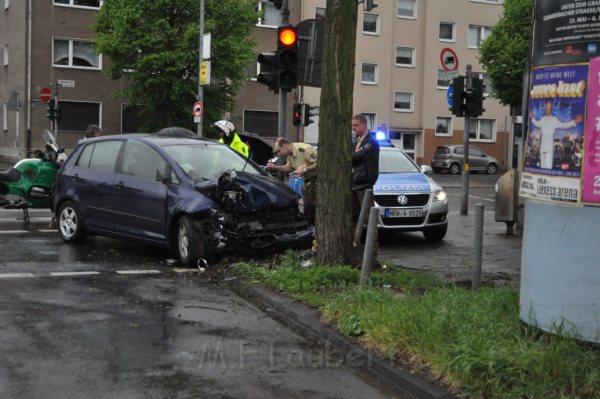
334,219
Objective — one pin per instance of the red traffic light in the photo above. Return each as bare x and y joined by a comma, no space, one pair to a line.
287,37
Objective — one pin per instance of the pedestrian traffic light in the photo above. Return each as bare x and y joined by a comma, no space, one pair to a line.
269,66
57,113
458,96
297,115
369,5
308,113
474,99
287,47
50,110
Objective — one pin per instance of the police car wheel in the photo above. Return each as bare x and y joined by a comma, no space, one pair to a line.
435,233
189,242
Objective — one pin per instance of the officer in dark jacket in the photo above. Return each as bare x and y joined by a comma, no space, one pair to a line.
365,162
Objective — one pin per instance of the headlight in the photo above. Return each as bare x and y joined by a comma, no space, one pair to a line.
440,196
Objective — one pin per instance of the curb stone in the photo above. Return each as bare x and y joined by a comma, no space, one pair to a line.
305,321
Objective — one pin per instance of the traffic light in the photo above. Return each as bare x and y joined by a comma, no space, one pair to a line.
474,99
458,96
308,112
50,110
369,5
287,51
269,65
57,113
297,115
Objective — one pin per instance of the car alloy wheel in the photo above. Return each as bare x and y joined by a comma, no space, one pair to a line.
183,242
68,222
454,168
492,168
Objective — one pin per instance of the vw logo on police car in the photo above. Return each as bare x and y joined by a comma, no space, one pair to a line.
402,199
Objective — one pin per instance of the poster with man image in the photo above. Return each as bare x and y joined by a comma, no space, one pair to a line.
554,144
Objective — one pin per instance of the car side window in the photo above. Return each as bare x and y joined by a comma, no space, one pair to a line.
459,150
85,156
142,161
476,152
104,156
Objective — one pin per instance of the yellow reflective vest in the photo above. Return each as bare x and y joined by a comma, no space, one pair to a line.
238,145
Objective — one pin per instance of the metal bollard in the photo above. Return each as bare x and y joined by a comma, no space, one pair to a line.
372,231
364,214
478,248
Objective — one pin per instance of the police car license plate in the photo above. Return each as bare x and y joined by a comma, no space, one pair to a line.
403,213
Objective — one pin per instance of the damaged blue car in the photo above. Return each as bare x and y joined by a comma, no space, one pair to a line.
195,196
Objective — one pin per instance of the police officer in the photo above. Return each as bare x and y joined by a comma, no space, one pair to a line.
301,159
229,137
365,162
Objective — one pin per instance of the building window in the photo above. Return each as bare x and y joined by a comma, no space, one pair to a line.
403,101
270,16
263,123
77,115
446,33
482,130
444,78
407,9
370,24
487,82
477,34
371,120
369,74
5,117
131,121
320,13
252,71
68,53
95,4
443,126
5,55
405,56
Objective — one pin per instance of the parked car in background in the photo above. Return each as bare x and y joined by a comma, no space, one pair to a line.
451,158
194,195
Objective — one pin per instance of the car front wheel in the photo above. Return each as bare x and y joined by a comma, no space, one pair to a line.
454,168
190,242
70,223
492,168
435,233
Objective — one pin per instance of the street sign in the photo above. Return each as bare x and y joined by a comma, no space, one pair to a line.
205,73
45,95
449,60
206,39
449,94
197,111
66,83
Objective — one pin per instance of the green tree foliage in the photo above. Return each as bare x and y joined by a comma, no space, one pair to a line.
154,46
504,52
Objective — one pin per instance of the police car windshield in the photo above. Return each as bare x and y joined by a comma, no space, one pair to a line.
396,162
207,161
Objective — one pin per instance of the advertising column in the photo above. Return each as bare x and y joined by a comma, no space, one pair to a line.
560,273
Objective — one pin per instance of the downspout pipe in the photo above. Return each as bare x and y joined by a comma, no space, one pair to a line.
29,96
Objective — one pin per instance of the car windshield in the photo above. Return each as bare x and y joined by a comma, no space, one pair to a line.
207,161
442,151
396,162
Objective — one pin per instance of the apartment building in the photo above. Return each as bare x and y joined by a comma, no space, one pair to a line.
399,79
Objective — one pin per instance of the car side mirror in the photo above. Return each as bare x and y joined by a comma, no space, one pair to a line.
426,169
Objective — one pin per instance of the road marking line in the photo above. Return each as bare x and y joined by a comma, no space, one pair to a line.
485,199
68,274
31,219
48,231
177,270
16,275
14,232
138,272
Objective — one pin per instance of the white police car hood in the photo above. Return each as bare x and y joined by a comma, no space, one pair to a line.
405,182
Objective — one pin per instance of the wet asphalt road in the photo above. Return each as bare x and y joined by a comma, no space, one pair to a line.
160,334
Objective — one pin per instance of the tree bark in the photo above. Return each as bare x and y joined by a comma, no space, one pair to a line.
334,219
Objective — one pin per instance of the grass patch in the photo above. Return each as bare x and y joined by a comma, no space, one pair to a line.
474,341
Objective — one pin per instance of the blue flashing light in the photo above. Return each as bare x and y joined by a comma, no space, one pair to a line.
380,135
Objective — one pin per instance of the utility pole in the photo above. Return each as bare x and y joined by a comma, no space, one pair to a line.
464,201
200,96
282,126
56,108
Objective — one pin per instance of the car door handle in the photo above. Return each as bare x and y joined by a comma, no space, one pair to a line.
119,185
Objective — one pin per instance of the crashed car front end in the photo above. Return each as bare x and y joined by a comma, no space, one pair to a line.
251,214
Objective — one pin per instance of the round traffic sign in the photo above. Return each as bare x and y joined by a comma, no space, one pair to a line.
198,109
449,96
45,95
449,60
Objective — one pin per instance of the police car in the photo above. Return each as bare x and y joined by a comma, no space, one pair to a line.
408,199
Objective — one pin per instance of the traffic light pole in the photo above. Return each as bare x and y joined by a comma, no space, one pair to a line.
464,200
282,126
200,96
55,119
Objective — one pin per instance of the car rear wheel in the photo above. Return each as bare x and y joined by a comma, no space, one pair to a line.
454,168
492,168
190,242
70,223
435,233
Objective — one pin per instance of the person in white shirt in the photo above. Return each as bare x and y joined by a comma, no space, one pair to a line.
548,125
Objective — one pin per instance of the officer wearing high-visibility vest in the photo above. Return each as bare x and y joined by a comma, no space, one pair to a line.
230,137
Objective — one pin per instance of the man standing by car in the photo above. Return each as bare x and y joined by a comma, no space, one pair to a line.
229,137
302,159
365,163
